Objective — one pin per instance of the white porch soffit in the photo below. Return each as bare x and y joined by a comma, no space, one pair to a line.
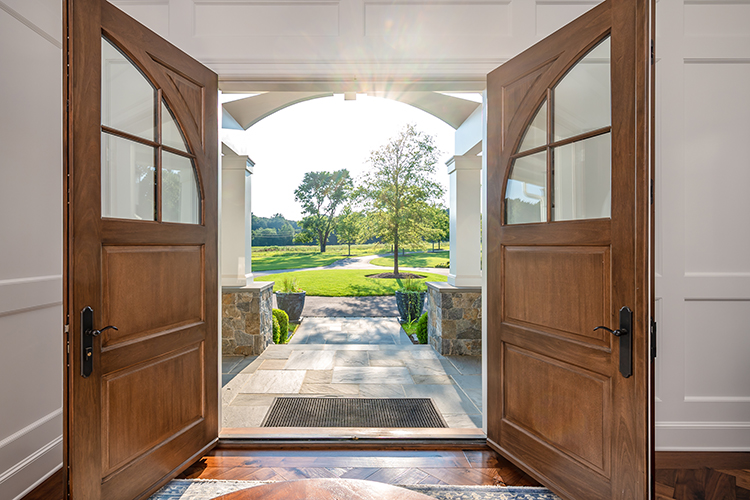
452,110
249,111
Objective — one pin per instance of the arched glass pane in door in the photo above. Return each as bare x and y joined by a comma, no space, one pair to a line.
582,98
526,193
536,133
127,96
148,171
571,145
171,135
180,200
582,168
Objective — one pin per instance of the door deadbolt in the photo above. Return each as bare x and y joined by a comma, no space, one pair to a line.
88,333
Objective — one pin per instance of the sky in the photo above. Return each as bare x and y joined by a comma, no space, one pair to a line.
326,134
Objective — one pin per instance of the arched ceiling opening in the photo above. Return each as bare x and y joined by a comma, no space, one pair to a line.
248,111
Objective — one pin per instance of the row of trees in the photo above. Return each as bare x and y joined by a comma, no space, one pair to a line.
276,230
397,201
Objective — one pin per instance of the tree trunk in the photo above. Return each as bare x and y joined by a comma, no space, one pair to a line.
395,253
322,246
350,250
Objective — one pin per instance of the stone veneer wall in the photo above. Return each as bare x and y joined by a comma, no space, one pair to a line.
454,326
246,319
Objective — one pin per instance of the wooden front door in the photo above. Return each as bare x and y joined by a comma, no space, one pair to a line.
141,245
568,247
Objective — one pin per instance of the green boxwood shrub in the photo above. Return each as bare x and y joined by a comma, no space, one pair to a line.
283,319
422,329
276,330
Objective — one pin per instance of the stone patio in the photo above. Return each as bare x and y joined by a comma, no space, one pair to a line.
351,357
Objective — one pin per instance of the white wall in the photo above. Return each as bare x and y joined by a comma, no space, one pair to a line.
703,237
703,233
30,243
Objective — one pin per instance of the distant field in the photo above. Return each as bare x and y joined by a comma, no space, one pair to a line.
424,259
344,282
300,257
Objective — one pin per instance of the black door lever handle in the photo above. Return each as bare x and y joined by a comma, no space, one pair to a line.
626,340
617,333
88,332
96,333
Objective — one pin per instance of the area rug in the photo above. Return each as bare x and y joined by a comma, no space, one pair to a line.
207,489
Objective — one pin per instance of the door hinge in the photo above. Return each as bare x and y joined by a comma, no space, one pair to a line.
652,191
653,338
653,56
67,328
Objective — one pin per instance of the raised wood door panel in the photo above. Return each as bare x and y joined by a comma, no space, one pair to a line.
557,404
150,406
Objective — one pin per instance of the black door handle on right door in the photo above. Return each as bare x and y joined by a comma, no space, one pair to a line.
626,340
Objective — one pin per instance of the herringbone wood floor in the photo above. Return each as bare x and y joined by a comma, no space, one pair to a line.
702,484
459,467
679,476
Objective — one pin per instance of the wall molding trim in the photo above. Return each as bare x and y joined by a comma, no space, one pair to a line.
31,458
25,294
33,27
34,425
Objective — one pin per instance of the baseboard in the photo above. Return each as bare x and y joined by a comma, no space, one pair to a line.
700,459
49,487
32,471
703,436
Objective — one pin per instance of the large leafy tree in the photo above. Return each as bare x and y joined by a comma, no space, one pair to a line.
321,195
349,227
439,227
399,191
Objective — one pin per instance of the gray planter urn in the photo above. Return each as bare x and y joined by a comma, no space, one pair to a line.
292,304
410,305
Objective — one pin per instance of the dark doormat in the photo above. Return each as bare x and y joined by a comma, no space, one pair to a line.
353,412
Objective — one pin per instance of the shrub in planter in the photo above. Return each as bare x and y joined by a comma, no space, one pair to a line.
283,320
422,329
275,329
291,299
410,300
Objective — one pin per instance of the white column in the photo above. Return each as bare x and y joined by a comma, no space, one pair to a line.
235,219
465,223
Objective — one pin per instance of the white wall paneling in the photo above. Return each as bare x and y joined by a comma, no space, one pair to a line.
553,14
31,243
702,266
266,19
153,14
419,20
703,239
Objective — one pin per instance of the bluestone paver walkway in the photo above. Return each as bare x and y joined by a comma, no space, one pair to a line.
351,357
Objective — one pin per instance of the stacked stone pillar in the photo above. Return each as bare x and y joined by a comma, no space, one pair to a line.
454,319
246,327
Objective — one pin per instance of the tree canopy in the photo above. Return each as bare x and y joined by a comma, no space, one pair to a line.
349,227
440,227
399,193
321,195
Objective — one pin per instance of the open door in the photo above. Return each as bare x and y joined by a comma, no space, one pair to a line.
568,252
141,244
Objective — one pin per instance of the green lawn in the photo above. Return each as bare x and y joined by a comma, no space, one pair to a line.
423,259
300,257
343,282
